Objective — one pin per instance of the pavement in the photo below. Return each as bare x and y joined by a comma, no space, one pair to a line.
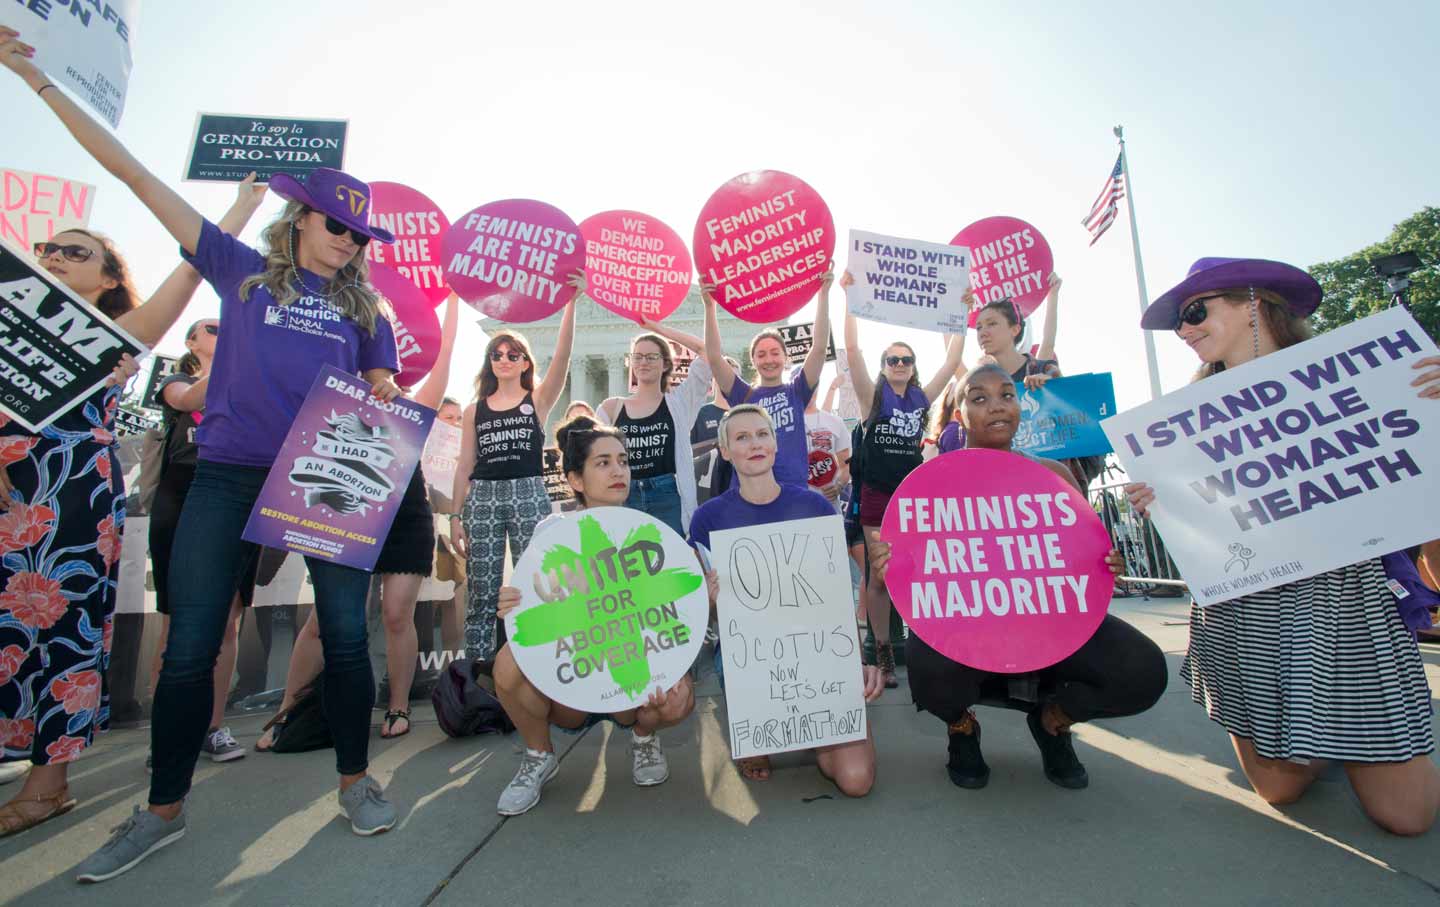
1168,818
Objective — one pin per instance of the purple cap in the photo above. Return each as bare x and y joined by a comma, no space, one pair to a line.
335,193
1300,291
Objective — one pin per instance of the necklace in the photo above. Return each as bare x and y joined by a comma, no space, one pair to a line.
318,294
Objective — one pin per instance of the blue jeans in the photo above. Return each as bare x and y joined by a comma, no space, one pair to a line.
658,496
205,563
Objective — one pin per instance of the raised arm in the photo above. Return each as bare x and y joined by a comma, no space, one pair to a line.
149,322
552,383
689,341
1052,302
828,405
463,467
187,398
714,352
173,212
854,356
953,358
432,392
815,359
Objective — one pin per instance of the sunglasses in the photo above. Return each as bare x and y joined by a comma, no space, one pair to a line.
1195,313
76,253
893,361
212,329
498,356
338,229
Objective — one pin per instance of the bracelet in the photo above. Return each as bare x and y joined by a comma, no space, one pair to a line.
41,90
455,516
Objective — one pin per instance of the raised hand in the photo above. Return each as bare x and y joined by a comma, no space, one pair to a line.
1141,496
509,600
1429,383
15,55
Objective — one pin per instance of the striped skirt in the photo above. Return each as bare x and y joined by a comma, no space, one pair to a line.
1322,668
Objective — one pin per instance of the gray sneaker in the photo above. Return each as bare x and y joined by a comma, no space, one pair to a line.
650,767
130,842
221,747
367,809
523,791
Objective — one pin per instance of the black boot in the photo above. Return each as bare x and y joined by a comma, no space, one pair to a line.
1057,751
967,766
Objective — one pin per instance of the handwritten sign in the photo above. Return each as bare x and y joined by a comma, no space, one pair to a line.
787,634
635,265
997,562
623,612
34,207
227,148
440,459
1008,259
419,227
1302,461
1062,419
764,239
798,340
341,473
83,45
512,259
908,282
417,328
55,348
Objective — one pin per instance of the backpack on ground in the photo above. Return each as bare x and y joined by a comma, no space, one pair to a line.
465,703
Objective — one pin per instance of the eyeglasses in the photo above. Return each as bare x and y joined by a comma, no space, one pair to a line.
1195,313
499,356
338,229
75,252
893,361
645,357
212,329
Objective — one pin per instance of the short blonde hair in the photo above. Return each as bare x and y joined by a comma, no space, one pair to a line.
744,409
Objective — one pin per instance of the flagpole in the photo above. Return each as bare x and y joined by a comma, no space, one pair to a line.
1139,265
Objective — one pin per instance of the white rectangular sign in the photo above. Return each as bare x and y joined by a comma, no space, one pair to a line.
787,635
83,45
907,282
1305,460
34,207
438,463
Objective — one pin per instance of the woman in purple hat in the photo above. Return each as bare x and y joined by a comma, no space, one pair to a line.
302,303
1322,668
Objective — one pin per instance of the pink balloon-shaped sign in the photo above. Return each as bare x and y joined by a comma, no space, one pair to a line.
997,563
417,329
1008,258
513,259
764,240
419,226
635,265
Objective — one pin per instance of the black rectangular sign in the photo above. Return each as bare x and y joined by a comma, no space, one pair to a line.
227,148
55,348
798,338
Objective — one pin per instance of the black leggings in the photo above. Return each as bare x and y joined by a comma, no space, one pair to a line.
1118,672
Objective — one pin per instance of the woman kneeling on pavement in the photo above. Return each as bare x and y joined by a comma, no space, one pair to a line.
598,469
1118,672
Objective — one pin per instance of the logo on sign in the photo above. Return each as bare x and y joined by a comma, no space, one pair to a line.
1029,409
1241,555
352,197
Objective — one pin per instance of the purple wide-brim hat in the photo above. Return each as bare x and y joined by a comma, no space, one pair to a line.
1300,291
335,193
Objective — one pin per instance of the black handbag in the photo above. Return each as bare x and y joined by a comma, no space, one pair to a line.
303,728
465,703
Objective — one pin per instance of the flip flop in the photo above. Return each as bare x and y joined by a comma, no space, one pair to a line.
392,716
754,768
271,730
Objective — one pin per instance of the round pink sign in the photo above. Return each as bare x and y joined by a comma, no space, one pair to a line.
764,240
513,259
1008,257
635,265
417,329
419,225
998,563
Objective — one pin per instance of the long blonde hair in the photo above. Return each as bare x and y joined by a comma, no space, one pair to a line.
355,299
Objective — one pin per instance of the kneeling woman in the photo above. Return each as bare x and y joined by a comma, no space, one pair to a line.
598,469
1118,672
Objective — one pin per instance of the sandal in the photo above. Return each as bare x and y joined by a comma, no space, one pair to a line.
14,820
885,661
392,716
271,730
755,768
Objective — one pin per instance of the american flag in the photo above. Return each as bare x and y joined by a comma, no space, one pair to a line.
1102,213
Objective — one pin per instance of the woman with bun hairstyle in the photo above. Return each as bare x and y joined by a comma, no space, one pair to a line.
500,473
596,464
1320,669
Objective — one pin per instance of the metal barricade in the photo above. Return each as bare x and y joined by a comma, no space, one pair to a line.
1149,569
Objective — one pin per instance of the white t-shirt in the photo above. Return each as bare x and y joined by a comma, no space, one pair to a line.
827,441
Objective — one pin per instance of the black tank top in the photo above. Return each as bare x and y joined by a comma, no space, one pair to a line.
508,442
650,442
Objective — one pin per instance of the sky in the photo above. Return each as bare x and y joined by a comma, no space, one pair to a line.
1284,130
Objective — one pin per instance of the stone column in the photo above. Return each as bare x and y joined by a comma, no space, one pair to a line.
580,380
619,376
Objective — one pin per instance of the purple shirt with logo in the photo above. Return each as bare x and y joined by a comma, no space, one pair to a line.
267,355
786,405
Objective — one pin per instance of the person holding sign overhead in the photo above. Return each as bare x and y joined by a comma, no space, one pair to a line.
894,428
1318,669
596,464
1116,673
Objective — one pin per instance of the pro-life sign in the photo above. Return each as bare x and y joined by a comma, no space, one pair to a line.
55,348
1305,460
908,282
798,340
227,148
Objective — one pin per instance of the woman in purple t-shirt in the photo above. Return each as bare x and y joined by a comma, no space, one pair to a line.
894,427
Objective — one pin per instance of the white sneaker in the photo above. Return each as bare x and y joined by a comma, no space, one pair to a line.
523,791
650,767
221,747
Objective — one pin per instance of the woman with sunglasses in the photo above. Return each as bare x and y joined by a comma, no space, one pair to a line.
657,422
596,466
1319,669
303,303
500,473
891,448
